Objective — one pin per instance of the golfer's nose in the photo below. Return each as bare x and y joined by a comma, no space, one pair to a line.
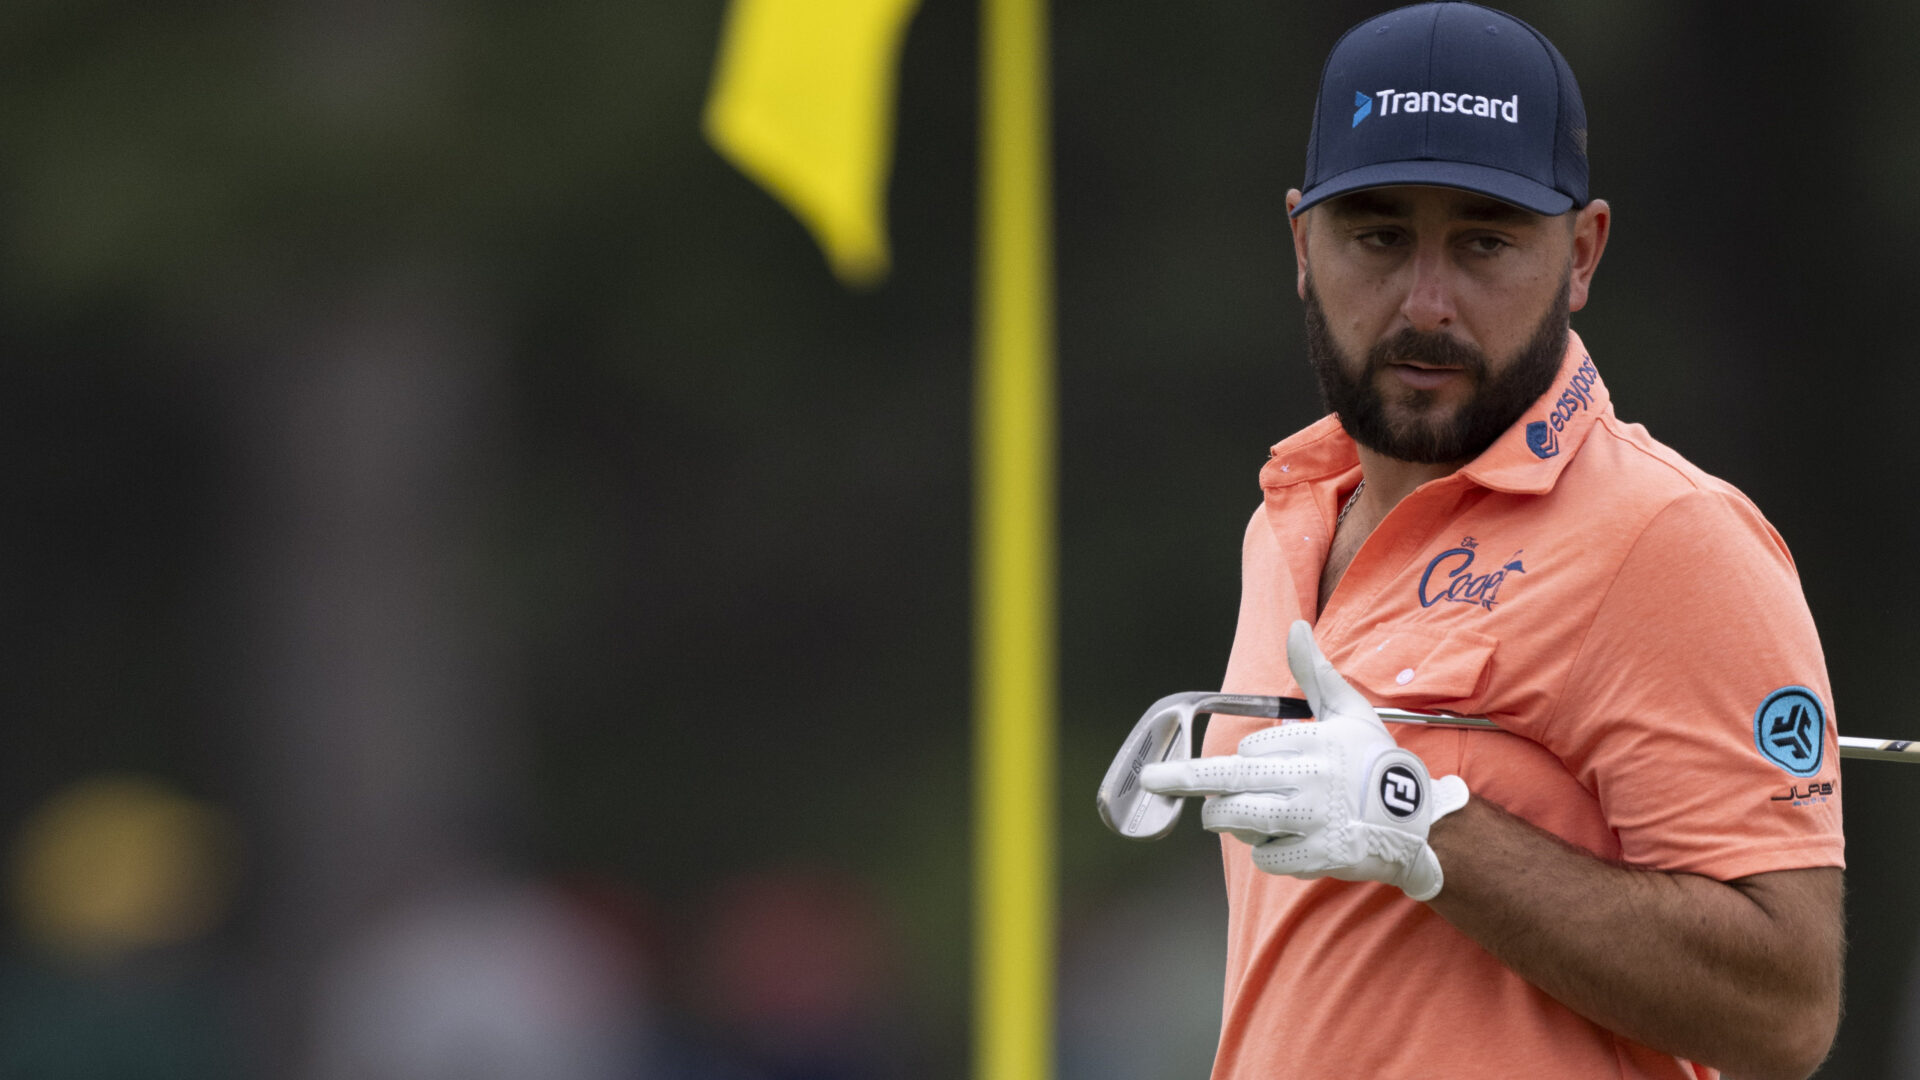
1429,301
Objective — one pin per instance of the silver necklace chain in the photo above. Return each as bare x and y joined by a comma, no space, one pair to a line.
1351,499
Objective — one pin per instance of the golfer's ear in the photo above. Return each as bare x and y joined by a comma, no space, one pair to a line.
1592,224
1299,225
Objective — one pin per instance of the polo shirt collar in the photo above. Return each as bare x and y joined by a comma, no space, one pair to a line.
1320,450
1526,459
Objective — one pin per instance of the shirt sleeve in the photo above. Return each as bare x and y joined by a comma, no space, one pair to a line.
1697,710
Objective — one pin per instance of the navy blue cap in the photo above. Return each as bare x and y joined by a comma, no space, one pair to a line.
1449,95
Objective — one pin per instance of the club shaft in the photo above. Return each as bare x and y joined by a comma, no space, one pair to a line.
1294,708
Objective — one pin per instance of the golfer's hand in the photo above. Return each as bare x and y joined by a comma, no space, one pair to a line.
1336,797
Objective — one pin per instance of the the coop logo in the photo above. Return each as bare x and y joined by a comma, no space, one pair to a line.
1399,102
1458,583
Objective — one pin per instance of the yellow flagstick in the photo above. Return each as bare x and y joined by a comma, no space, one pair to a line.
802,101
1014,552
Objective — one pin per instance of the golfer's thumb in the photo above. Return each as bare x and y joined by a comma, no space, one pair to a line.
1328,693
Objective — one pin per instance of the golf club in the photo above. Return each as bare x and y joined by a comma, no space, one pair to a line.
1165,734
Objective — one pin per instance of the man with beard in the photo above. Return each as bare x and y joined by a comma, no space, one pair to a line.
1641,875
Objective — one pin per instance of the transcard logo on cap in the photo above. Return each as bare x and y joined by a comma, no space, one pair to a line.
1396,102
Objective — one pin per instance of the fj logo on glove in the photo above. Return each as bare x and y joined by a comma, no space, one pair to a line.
1400,791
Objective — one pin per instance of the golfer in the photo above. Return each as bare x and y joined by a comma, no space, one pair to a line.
1641,875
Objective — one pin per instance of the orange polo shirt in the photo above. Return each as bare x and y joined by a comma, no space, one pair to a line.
1636,627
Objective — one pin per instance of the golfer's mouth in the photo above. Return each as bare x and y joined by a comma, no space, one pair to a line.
1426,376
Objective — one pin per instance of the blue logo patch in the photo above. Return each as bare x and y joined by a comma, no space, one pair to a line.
1362,107
1542,440
1543,436
1790,730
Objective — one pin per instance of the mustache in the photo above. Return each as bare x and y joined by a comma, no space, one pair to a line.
1411,346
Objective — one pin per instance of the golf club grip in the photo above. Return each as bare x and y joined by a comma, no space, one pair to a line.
1292,708
1278,708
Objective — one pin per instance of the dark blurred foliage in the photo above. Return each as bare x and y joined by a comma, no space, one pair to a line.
671,534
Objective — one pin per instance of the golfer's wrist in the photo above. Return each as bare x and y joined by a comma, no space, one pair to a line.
1453,834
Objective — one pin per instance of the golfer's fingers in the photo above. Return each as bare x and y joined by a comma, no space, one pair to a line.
1199,776
1279,758
1302,856
1259,815
1292,739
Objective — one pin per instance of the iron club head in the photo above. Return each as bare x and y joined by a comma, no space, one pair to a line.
1165,733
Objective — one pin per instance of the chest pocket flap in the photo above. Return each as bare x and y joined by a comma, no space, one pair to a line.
1421,668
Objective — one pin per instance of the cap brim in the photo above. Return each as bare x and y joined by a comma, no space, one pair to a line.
1479,179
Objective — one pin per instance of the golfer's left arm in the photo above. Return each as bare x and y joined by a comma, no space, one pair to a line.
1742,975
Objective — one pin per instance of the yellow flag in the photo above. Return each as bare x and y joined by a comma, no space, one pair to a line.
802,102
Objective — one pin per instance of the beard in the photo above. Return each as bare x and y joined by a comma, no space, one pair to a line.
1396,423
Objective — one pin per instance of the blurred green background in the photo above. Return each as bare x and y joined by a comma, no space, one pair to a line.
427,459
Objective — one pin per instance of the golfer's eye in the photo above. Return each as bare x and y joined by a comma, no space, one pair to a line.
1486,245
1381,238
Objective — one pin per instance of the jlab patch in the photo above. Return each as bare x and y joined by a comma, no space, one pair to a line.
1789,728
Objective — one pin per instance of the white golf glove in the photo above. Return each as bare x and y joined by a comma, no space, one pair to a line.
1336,797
